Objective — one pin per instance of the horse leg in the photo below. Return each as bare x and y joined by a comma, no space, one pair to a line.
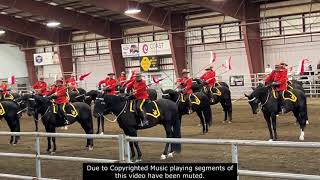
98,120
301,118
169,134
36,118
16,129
267,118
49,144
229,105
87,126
12,128
102,125
274,126
199,113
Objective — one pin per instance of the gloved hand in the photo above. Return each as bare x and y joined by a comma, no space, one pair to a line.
53,97
205,82
107,89
275,84
131,97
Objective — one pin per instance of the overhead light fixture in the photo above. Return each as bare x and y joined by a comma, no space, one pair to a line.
2,32
53,24
132,11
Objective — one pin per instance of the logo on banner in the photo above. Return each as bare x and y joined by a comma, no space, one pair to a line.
149,64
39,59
145,48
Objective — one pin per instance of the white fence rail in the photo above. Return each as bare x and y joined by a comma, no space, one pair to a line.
123,143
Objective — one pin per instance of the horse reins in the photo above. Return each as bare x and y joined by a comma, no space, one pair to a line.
113,121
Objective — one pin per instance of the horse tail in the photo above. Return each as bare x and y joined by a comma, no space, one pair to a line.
208,115
176,134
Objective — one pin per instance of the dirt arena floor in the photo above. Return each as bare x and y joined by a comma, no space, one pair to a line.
245,126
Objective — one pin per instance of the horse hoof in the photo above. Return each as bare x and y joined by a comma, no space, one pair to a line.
307,122
65,128
229,122
14,144
170,155
301,138
163,157
53,153
270,140
101,133
90,148
138,160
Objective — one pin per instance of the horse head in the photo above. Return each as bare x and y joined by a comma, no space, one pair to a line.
170,94
102,105
255,98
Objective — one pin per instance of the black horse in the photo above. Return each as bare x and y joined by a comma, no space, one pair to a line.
294,84
93,94
9,110
198,84
77,96
202,107
50,118
165,113
222,95
267,99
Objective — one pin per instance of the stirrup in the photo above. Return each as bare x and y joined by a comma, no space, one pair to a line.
66,122
143,123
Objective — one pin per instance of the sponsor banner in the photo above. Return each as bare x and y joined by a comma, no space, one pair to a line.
130,50
154,48
149,64
41,59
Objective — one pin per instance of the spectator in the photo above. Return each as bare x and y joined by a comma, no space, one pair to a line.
268,69
310,67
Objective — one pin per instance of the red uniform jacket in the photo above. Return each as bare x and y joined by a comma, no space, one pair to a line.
280,77
61,93
122,80
109,83
4,88
72,83
186,84
40,87
209,77
140,89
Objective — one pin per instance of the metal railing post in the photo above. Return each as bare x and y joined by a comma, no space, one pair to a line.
127,148
234,155
121,147
38,160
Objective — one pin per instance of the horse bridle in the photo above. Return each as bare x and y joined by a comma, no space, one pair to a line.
268,97
122,111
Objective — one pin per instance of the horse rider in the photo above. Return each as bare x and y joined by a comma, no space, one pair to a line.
3,89
122,79
40,87
141,95
109,83
279,79
72,83
61,99
185,87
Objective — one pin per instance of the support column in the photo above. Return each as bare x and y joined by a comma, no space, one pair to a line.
115,49
178,43
252,38
32,74
65,58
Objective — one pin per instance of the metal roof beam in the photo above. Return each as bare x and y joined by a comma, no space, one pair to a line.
66,17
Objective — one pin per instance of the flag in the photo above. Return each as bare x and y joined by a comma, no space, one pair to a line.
301,66
213,57
83,76
156,80
228,64
11,80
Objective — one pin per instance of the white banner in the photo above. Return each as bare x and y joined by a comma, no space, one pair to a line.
41,59
130,50
154,48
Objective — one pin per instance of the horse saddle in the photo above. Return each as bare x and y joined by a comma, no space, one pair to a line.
68,109
150,108
192,98
216,91
289,95
6,96
2,111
